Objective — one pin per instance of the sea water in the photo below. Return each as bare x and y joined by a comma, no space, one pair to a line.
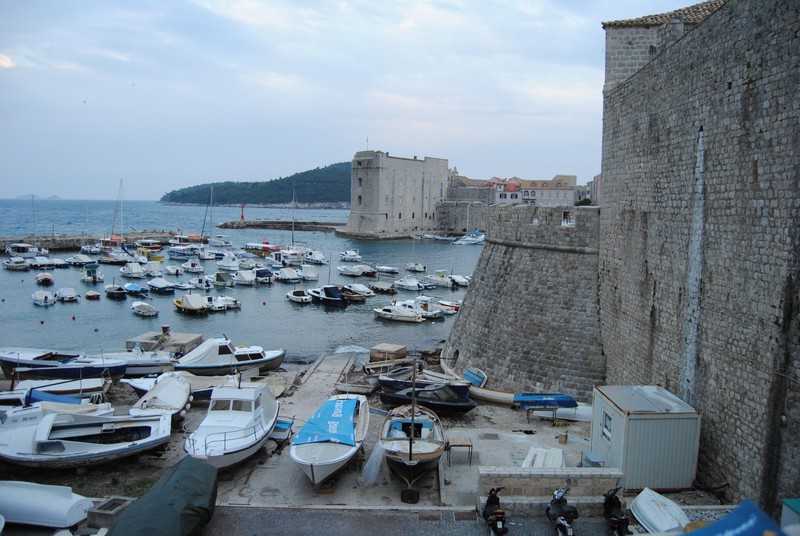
305,331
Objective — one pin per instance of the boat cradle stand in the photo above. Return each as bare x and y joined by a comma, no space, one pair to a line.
459,443
534,409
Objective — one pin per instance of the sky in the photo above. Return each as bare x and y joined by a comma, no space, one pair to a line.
166,95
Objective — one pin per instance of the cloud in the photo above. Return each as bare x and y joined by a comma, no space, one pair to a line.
6,62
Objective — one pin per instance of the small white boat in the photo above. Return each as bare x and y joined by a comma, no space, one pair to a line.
173,269
15,263
22,249
350,256
90,273
460,280
28,503
43,298
386,269
218,356
424,306
415,267
331,437
66,294
133,270
154,269
202,283
229,262
141,308
84,388
70,440
171,394
221,279
315,257
159,285
238,423
222,303
31,413
287,275
44,279
193,266
358,288
657,513
219,241
298,296
455,306
192,304
398,313
350,270
244,277
408,282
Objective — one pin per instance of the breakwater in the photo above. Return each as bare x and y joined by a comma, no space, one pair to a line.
325,226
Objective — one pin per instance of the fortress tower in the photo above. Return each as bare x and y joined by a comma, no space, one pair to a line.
394,197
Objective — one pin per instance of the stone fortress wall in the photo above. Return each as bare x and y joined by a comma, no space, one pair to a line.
700,235
688,276
530,319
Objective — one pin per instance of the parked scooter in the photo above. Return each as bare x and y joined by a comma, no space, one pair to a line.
616,518
494,515
561,514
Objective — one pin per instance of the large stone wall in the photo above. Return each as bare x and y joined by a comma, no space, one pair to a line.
700,239
530,317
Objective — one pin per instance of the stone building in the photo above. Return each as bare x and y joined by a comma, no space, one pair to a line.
394,197
693,271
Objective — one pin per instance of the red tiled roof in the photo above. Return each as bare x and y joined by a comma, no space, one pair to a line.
691,15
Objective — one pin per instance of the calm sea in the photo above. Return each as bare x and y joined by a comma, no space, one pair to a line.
266,319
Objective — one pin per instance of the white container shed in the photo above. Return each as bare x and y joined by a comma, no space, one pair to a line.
650,434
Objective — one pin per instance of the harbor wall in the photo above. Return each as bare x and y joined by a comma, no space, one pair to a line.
530,319
700,240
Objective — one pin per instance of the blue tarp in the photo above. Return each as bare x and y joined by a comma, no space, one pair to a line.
747,519
332,422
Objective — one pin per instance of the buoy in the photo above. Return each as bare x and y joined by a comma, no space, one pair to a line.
96,329
73,317
263,303
41,321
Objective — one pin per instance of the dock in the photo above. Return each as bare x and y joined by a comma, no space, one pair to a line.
166,340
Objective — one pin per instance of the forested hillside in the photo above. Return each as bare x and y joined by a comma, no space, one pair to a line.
330,184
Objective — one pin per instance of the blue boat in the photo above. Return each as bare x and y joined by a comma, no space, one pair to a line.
136,290
52,364
544,401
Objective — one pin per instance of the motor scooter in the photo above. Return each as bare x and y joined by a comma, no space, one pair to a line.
561,514
616,518
494,515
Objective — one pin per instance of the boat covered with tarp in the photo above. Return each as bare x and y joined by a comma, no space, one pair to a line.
180,503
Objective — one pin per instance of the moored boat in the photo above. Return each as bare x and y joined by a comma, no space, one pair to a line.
192,304
43,298
33,362
298,296
144,309
331,437
171,394
66,294
398,313
441,398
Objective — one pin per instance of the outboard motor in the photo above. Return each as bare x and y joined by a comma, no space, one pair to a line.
616,518
494,515
561,514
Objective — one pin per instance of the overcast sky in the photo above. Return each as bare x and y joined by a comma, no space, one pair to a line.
169,94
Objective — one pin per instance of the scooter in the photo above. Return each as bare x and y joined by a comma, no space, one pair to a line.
494,515
616,518
561,514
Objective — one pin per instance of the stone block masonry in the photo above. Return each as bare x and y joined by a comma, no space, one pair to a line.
530,318
700,240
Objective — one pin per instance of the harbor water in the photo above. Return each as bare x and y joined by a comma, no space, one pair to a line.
266,318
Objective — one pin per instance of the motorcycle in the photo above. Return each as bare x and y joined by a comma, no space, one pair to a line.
494,515
561,514
616,518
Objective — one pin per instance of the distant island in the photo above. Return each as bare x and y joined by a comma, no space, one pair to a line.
328,186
